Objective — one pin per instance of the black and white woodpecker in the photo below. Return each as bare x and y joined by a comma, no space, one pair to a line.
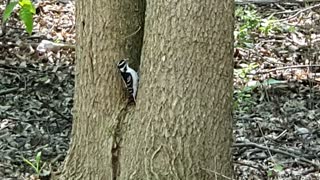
130,78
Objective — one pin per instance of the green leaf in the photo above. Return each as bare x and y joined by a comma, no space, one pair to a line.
26,15
278,168
7,12
27,4
38,157
292,29
38,161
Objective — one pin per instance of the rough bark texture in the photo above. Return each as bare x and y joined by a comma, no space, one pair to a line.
183,124
107,30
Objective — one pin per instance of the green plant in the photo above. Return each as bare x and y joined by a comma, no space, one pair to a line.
26,13
35,163
243,99
267,25
291,29
242,73
242,96
250,21
275,170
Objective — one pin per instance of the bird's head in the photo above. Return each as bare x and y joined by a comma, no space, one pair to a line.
123,65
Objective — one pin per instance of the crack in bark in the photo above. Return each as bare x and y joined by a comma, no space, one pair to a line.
117,138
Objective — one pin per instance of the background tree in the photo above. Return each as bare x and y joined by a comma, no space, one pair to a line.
181,127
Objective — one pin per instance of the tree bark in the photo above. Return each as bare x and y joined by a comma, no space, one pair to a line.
107,31
182,128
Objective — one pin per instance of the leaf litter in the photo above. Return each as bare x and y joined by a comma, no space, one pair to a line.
277,121
36,90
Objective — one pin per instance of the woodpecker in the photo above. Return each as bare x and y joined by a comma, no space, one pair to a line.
130,78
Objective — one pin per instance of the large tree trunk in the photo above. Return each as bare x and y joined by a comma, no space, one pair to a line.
181,125
182,128
107,31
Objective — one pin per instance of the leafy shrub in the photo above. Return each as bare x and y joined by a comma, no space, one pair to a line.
26,13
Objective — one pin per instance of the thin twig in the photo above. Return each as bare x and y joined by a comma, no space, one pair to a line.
300,11
286,67
265,140
132,34
8,91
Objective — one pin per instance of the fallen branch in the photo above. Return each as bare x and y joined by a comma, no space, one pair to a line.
290,154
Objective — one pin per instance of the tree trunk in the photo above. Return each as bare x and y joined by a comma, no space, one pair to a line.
107,31
182,128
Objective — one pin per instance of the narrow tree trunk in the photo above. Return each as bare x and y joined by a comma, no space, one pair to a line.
182,128
107,31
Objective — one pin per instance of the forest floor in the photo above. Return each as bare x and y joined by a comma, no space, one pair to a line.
276,97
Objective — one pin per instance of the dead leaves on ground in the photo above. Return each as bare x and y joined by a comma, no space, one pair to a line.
277,124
